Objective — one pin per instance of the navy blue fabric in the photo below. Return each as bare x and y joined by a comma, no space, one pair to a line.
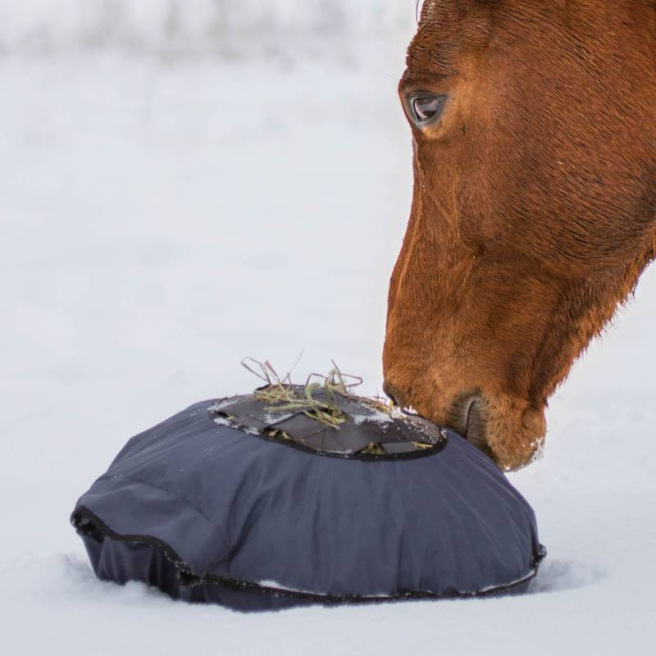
224,508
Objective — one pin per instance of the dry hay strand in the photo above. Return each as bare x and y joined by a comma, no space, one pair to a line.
281,395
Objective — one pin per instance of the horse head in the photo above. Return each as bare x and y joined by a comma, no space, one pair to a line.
534,206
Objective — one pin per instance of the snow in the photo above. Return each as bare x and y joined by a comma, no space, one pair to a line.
162,220
274,585
371,415
223,421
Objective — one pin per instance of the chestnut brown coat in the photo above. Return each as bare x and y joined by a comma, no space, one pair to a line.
534,209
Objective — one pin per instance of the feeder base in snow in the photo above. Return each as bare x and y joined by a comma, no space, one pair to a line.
256,507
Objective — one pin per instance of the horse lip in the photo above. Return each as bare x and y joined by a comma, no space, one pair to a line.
392,393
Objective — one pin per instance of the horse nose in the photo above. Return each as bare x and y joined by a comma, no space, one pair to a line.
470,417
392,393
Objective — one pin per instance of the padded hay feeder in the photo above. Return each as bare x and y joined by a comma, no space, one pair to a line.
314,496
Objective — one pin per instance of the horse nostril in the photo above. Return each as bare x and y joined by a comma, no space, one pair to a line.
469,417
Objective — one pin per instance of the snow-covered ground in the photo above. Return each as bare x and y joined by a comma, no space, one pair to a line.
159,220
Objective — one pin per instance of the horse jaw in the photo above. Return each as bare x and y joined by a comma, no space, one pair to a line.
487,369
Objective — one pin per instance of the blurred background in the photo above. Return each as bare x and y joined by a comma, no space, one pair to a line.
227,27
184,183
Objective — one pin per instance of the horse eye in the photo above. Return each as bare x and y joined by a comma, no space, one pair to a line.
427,108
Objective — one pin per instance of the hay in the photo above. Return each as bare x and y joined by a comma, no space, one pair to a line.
316,399
282,395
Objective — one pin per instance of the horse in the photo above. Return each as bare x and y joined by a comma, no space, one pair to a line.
533,211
